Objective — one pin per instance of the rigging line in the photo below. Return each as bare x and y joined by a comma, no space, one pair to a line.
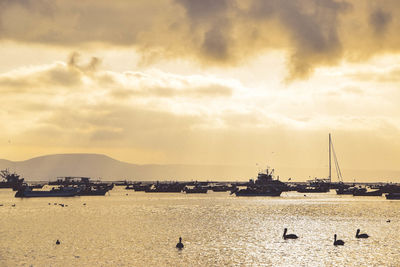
339,173
335,160
337,167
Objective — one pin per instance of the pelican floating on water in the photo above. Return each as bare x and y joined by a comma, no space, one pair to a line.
289,236
362,235
338,242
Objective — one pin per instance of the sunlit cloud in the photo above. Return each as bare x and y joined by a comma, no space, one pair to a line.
312,33
82,104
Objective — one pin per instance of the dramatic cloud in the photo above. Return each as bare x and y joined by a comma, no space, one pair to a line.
312,32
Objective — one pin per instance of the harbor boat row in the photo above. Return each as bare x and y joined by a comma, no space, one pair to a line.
266,184
69,187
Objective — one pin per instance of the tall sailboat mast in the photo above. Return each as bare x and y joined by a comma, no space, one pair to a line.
330,170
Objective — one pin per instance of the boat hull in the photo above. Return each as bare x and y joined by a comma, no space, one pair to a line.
345,191
163,191
368,194
257,193
196,191
313,190
93,193
24,193
393,196
46,194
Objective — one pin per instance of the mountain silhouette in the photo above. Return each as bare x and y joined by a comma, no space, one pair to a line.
98,166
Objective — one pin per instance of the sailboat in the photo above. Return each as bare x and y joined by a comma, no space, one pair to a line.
319,185
341,188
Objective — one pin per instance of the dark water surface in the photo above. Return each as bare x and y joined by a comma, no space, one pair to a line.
142,229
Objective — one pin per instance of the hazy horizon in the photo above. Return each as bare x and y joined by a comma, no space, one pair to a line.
49,167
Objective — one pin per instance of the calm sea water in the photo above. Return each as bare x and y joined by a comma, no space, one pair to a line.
142,229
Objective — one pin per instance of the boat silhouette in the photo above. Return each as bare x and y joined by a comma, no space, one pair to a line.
393,196
195,190
61,191
364,192
265,185
10,180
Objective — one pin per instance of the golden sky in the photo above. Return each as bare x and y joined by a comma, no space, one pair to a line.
202,82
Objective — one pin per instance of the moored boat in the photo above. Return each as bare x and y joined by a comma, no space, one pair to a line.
93,191
54,192
221,188
166,188
390,188
323,185
264,185
321,188
345,191
138,187
393,196
10,180
80,181
365,192
195,190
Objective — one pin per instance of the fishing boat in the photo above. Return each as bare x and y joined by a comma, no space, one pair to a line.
221,188
316,186
393,196
268,179
165,188
345,191
264,185
389,188
80,181
138,187
195,190
93,190
364,192
10,180
54,192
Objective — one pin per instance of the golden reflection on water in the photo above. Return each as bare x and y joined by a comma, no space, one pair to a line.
142,229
